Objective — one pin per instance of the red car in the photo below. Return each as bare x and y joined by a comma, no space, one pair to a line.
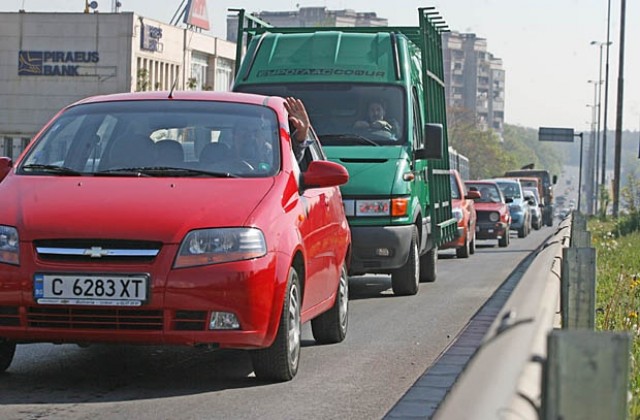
494,218
136,218
463,209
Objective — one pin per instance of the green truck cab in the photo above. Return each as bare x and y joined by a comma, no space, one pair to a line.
398,198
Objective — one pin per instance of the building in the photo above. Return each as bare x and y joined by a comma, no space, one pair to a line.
49,60
474,78
309,17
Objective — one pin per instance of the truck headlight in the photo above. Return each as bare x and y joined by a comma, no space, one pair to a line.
214,246
9,245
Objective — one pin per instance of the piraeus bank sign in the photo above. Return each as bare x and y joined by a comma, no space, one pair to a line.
54,63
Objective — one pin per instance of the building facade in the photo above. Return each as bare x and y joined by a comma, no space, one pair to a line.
309,17
474,79
49,60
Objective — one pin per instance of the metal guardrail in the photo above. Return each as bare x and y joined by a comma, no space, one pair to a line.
503,379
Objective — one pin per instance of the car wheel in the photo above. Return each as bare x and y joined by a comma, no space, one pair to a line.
279,362
504,241
429,266
404,280
331,326
465,250
522,232
7,351
472,246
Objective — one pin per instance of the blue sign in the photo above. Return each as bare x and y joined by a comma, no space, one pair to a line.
150,38
53,63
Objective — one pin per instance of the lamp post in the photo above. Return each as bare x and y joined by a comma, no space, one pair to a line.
591,174
598,132
603,169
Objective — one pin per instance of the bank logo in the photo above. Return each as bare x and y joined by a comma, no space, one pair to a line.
30,63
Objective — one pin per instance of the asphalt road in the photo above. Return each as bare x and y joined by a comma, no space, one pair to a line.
391,342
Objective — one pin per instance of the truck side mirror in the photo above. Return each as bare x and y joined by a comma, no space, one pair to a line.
433,143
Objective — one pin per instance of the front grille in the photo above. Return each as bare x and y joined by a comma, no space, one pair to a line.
95,319
92,250
483,216
190,320
9,316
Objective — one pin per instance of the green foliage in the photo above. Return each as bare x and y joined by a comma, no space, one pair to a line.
142,80
618,292
491,156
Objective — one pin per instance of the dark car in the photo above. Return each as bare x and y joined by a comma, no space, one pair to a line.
492,210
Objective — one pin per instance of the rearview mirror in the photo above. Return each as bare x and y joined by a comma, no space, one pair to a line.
322,173
433,143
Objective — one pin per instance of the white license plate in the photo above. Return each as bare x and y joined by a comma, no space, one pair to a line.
91,289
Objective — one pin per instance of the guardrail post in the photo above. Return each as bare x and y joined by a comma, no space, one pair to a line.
586,375
578,291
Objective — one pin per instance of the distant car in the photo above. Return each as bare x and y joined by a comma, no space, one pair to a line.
531,195
130,220
464,211
492,209
520,212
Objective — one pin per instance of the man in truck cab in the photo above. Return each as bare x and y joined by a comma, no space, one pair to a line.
376,121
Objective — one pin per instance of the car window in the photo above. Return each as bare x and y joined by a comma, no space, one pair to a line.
171,136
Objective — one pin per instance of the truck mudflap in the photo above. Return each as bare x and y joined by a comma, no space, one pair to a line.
379,249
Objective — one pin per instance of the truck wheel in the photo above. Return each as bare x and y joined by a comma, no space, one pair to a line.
465,250
279,362
7,350
405,280
429,266
331,326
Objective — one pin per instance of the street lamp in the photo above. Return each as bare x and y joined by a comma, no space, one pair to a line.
598,133
591,173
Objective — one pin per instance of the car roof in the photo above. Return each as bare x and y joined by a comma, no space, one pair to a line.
235,97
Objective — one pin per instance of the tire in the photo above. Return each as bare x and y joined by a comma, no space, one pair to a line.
331,326
472,246
7,351
465,250
522,232
504,241
405,280
279,362
429,266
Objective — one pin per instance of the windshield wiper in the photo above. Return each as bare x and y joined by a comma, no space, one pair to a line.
340,139
164,170
62,170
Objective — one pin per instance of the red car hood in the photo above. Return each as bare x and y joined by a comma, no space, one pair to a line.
489,206
161,209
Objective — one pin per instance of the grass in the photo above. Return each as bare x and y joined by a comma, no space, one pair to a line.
618,292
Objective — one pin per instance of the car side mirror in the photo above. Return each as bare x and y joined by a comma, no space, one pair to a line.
5,166
322,173
472,195
433,143
555,179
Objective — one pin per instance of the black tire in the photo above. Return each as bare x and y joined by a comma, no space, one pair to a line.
7,351
429,266
522,232
472,246
331,326
405,280
279,362
465,250
504,241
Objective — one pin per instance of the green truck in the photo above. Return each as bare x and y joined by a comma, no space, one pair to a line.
376,99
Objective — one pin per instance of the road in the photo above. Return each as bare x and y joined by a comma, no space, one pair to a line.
391,342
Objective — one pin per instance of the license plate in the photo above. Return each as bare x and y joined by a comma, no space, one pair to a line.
82,289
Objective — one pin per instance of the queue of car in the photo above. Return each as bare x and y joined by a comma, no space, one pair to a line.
153,257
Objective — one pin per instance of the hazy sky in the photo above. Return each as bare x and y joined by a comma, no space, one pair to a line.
544,45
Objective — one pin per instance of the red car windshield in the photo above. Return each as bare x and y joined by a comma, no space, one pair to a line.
159,138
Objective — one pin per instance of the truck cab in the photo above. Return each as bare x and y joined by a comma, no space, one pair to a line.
398,198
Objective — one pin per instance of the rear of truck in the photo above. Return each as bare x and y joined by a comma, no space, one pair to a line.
398,197
547,183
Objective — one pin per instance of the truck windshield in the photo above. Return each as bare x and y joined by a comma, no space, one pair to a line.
347,114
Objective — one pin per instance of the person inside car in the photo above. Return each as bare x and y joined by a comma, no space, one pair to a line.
377,120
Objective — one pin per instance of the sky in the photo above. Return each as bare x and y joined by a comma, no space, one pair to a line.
545,46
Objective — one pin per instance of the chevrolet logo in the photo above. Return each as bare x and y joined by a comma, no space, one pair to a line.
96,252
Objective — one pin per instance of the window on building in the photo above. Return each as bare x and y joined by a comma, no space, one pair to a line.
224,74
199,64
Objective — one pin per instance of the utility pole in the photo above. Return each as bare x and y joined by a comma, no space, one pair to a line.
618,148
603,179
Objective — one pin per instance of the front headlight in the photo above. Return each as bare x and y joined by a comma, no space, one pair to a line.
457,213
9,245
214,246
494,217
